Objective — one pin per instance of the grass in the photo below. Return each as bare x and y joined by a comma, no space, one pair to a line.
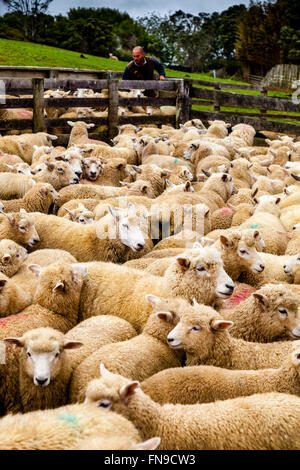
19,53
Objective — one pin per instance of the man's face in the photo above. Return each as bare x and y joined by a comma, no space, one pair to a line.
138,57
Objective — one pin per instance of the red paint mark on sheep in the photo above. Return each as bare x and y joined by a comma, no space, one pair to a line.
6,320
226,210
237,298
25,114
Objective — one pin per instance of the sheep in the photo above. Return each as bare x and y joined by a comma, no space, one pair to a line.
290,217
79,133
13,298
183,239
211,162
222,218
266,185
37,199
241,176
243,195
58,174
180,175
96,332
212,344
44,368
291,268
19,227
269,314
198,150
204,384
115,152
55,303
266,220
273,271
200,275
112,172
293,246
241,213
64,428
110,239
19,168
23,145
12,257
154,174
168,162
14,186
122,357
241,423
79,214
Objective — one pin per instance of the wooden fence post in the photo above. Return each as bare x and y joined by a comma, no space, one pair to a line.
216,103
38,124
113,101
263,111
183,102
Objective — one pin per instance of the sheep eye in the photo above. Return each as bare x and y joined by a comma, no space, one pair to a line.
28,354
283,311
105,403
243,252
23,229
17,255
61,170
196,328
57,354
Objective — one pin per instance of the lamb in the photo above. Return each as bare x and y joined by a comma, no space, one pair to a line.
64,428
37,199
212,162
96,332
122,356
19,227
223,425
204,384
266,219
14,186
92,167
269,314
79,133
110,239
12,257
44,368
200,275
212,344
167,162
79,214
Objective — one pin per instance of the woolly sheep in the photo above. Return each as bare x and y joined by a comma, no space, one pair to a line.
212,344
58,174
37,199
14,186
19,227
13,298
204,384
223,425
79,132
122,357
12,257
200,275
79,214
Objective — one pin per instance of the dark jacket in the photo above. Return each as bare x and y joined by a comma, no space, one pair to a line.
143,72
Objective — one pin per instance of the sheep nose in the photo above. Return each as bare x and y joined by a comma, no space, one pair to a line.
35,241
139,246
170,340
262,266
41,381
75,181
79,174
93,174
229,287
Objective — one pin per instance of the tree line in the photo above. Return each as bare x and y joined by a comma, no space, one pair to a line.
240,39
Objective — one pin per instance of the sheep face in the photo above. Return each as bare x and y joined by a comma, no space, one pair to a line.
24,231
244,245
127,225
92,168
291,267
12,257
75,161
206,267
43,354
80,215
198,331
281,305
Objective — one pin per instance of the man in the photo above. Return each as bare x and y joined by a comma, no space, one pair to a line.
142,68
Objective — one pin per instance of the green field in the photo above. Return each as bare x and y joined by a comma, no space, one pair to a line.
20,53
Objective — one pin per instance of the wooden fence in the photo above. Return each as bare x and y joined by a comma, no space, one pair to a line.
185,94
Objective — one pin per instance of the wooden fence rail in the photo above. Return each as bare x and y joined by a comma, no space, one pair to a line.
184,94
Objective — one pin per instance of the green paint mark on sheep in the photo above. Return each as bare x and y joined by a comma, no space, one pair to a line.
68,418
254,226
176,160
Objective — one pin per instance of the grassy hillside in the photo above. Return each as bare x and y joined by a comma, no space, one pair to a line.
31,54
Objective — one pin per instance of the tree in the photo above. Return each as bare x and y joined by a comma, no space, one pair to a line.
32,11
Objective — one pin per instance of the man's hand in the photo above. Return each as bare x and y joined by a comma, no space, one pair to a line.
162,77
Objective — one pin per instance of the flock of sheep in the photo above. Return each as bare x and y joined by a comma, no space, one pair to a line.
149,290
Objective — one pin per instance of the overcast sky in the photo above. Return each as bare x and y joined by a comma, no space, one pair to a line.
141,7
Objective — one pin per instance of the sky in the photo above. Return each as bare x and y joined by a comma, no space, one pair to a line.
137,8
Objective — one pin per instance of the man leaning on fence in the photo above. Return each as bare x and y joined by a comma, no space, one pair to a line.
142,68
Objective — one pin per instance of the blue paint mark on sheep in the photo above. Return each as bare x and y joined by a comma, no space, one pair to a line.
176,160
254,226
68,418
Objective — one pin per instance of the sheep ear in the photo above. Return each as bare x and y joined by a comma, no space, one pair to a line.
183,261
35,269
16,341
262,299
221,324
103,371
80,269
153,300
225,242
206,173
256,234
137,169
296,357
11,218
296,177
72,345
58,286
151,444
166,316
113,212
128,390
